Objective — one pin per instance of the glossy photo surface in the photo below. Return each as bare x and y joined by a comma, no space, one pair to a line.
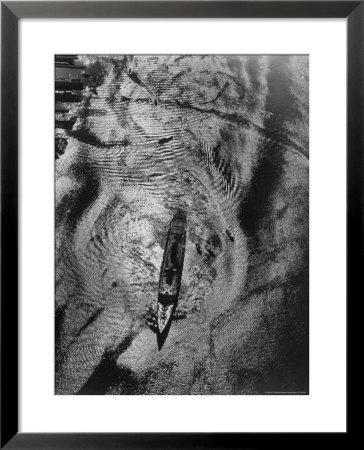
182,224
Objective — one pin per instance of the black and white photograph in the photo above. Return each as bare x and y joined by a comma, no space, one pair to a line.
181,224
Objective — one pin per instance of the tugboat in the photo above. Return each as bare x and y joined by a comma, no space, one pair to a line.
171,275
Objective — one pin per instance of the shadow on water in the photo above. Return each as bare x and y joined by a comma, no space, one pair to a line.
268,173
256,207
108,374
59,319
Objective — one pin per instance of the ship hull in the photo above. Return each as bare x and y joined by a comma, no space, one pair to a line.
171,275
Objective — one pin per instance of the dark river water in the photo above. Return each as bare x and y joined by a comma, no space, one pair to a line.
224,139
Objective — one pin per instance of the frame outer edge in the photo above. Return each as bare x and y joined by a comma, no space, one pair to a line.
355,113
183,9
10,12
9,224
355,162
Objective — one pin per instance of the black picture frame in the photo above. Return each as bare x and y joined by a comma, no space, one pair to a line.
11,12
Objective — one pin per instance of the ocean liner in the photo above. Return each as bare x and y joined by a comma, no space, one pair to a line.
171,275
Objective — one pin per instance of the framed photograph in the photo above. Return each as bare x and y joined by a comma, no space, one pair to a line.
181,200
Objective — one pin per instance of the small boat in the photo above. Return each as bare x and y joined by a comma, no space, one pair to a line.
171,275
228,234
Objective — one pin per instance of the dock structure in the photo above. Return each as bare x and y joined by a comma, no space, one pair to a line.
73,85
69,79
63,60
61,109
69,84
60,146
68,97
65,124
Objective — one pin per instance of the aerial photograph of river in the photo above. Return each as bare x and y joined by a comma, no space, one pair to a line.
182,224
